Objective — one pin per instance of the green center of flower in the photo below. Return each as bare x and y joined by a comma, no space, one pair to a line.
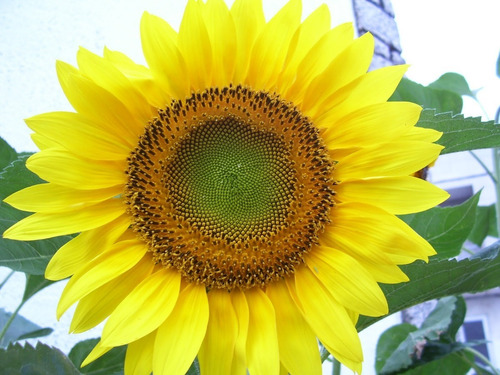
231,180
231,187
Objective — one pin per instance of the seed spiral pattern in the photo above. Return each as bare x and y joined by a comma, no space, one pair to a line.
231,187
230,181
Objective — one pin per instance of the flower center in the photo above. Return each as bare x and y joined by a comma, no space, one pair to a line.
230,180
231,187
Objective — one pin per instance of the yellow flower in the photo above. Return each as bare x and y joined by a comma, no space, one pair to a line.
237,199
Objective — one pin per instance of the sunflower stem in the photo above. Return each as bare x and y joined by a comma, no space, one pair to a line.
482,358
11,319
6,279
337,367
496,163
490,174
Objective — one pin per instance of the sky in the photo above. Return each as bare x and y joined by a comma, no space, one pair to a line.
461,36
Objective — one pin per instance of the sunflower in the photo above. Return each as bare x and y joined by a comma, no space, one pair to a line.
235,200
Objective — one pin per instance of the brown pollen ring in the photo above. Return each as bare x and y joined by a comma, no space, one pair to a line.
231,187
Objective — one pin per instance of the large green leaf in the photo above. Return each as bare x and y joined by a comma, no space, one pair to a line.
41,360
445,320
446,228
459,133
433,341
110,363
7,154
389,341
453,82
485,224
34,283
195,368
428,97
439,279
455,363
25,256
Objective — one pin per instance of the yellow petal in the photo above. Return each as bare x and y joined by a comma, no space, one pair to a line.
144,309
140,76
390,159
350,64
85,247
262,341
216,352
104,268
139,357
195,46
44,143
55,198
105,75
80,135
97,352
222,33
397,195
47,225
318,58
313,28
98,104
416,133
338,334
371,125
347,281
297,343
179,338
271,47
99,304
374,234
249,20
384,273
65,169
371,88
239,365
159,44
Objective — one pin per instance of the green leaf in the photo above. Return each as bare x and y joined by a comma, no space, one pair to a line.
456,363
19,327
110,363
453,82
459,133
439,279
485,224
195,368
42,332
41,360
24,256
434,340
428,97
389,341
7,154
446,318
34,283
446,228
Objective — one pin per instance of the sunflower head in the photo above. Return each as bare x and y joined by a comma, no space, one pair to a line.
236,198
